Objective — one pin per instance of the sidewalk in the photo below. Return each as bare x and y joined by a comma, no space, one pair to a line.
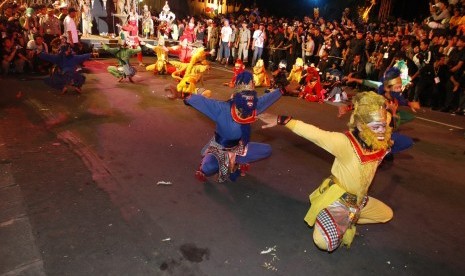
19,254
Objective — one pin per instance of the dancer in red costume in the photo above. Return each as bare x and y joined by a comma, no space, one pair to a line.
312,90
184,49
239,67
132,31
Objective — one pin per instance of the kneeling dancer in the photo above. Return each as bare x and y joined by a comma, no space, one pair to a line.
341,201
230,150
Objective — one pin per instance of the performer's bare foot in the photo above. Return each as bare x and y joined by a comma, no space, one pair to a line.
64,90
130,79
141,64
456,86
244,168
77,89
121,79
200,176
172,92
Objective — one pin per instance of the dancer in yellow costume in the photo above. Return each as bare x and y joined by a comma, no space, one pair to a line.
189,74
293,88
260,76
341,201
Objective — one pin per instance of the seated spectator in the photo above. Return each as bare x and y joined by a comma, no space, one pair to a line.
34,48
11,58
356,69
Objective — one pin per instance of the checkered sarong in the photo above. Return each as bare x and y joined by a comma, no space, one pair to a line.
226,157
334,220
329,229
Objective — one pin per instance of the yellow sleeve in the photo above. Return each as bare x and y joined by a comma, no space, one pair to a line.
333,142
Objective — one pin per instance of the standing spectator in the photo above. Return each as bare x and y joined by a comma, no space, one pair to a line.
199,32
318,39
243,43
276,44
259,37
440,79
357,47
225,43
41,12
309,47
372,52
71,30
213,37
50,25
31,23
388,52
234,41
63,14
455,66
425,74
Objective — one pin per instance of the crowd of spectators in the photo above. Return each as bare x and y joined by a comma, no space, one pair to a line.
27,31
433,49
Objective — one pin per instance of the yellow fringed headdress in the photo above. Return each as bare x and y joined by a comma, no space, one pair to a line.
370,107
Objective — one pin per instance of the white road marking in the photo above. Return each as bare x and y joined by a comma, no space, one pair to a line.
439,123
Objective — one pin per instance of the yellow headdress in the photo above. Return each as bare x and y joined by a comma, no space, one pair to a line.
370,107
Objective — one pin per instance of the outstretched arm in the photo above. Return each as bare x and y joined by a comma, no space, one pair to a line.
369,83
81,58
333,142
267,100
209,107
110,50
55,59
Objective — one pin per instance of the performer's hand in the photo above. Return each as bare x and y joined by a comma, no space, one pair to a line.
414,106
349,79
269,119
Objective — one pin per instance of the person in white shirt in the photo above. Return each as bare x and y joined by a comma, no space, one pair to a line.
70,29
225,42
259,37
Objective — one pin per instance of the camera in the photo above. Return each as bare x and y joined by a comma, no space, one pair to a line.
18,47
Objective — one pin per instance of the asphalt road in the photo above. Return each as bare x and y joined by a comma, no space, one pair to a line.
105,185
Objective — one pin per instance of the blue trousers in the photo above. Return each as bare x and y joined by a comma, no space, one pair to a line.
401,142
257,54
224,51
255,152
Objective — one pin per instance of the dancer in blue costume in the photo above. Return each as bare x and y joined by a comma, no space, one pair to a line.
230,151
391,86
66,72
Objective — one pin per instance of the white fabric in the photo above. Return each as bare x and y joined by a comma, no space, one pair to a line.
259,38
70,26
226,32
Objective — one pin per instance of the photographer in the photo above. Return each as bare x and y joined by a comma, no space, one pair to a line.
11,57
